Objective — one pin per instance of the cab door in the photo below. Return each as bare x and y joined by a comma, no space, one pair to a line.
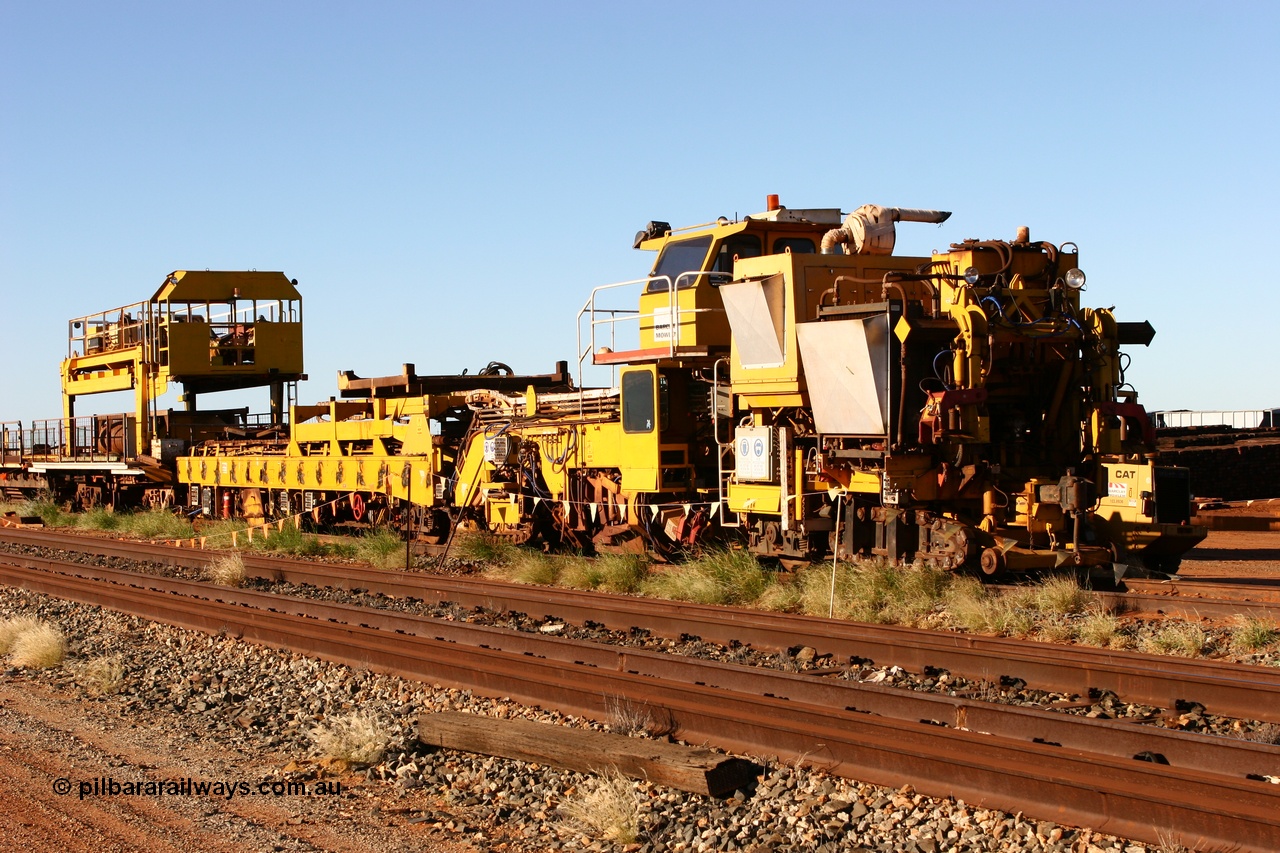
641,424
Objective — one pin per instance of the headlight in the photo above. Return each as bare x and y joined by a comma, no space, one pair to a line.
971,275
1075,279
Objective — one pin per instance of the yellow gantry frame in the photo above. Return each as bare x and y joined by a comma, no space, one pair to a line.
179,335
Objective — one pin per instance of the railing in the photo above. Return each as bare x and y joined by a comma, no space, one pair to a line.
1237,418
93,438
725,451
11,447
111,330
230,325
613,316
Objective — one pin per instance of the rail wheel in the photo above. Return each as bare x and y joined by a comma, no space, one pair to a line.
357,506
992,563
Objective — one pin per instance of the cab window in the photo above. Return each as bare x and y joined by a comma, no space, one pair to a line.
637,401
739,246
679,257
796,245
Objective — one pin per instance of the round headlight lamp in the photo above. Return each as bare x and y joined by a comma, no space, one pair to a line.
971,275
1074,279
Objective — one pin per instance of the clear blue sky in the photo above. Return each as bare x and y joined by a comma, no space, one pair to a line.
449,181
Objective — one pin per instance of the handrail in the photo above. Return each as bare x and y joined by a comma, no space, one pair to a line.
110,331
11,439
722,448
674,312
589,307
87,438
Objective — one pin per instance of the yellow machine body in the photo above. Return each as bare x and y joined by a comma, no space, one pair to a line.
207,331
788,377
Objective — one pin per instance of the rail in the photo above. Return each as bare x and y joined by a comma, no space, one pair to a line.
1222,688
1207,791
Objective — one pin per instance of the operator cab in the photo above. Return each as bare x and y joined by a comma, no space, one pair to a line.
681,314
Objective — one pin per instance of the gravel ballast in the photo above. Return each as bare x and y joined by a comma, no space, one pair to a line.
260,706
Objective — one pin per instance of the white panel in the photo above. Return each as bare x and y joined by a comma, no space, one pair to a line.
846,364
662,323
753,453
755,309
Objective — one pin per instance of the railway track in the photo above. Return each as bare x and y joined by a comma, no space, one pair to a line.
1204,597
1167,682
1057,767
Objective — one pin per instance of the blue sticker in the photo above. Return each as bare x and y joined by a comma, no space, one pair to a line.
759,447
746,446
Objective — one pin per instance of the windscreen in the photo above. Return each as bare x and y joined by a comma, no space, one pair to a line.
680,257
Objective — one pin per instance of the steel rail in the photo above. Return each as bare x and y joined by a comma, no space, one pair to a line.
1124,739
1133,799
1261,591
1188,606
1167,682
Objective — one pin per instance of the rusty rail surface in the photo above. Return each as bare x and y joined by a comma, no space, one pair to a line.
1124,739
1257,597
1164,681
1137,799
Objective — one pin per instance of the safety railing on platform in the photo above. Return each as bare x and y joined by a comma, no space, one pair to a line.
11,451
93,438
603,317
111,330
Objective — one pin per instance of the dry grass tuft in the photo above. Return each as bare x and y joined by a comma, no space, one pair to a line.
1100,628
874,591
607,807
978,609
522,565
39,647
1179,638
628,718
356,738
622,573
1061,596
102,676
1055,629
382,548
533,567
11,628
580,573
477,547
1252,634
781,597
226,569
717,576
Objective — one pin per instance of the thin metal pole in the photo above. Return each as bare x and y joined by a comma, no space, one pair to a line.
835,554
408,524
